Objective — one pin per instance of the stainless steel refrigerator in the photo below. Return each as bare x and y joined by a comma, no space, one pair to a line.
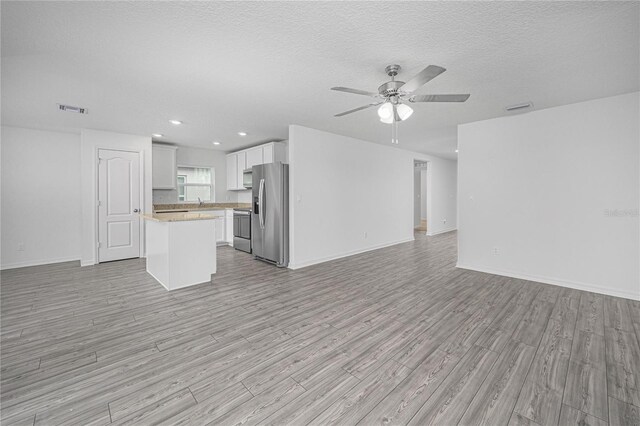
270,213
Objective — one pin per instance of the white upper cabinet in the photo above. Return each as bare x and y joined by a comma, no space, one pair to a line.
274,152
242,164
267,154
237,162
232,171
254,156
164,167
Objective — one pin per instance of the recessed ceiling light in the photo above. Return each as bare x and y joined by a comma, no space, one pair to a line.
216,143
456,151
157,135
176,122
242,133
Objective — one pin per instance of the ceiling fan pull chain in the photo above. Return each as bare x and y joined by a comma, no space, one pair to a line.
394,132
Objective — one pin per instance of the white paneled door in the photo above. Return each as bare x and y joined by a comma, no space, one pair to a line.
118,205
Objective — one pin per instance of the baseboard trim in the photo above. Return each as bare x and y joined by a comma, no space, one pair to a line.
182,286
431,234
38,262
159,282
346,254
553,281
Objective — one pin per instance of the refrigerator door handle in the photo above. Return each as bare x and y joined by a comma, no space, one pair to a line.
261,203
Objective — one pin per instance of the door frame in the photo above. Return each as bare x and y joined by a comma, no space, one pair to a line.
96,183
427,187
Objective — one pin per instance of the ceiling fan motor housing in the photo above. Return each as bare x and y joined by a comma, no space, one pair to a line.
392,70
390,88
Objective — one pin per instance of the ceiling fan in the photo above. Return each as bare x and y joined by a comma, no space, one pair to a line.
393,96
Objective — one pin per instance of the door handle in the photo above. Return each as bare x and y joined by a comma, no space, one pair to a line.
136,210
261,203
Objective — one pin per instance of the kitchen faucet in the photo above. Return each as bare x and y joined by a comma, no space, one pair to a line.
200,202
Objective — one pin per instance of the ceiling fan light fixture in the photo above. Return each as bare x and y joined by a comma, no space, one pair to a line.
385,112
404,111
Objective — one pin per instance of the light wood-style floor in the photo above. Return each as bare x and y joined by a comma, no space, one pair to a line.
394,336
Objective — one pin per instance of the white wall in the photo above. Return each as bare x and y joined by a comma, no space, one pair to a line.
538,187
442,196
342,188
91,142
187,156
40,197
244,196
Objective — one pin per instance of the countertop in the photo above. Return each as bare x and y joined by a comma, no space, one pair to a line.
195,207
177,217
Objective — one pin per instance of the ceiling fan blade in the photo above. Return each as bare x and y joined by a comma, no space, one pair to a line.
356,109
439,98
356,91
424,76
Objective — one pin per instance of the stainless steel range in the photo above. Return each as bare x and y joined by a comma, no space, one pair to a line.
242,229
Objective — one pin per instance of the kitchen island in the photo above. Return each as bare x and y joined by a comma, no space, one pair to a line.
181,248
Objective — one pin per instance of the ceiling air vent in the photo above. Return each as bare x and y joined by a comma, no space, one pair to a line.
519,107
75,109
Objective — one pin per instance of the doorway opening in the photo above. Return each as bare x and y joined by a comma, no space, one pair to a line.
420,196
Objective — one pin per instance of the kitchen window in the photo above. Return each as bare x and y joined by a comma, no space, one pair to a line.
194,182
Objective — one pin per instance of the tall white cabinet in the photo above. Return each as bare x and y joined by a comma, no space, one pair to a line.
164,167
237,162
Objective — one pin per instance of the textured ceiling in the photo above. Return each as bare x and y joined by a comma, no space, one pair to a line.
222,67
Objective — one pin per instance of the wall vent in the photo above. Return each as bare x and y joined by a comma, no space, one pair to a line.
75,109
518,107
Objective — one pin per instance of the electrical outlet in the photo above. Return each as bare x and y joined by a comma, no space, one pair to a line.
21,247
365,234
496,251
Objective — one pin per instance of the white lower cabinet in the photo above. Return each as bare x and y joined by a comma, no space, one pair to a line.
223,225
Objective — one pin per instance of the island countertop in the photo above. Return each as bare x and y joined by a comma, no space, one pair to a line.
181,207
177,217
